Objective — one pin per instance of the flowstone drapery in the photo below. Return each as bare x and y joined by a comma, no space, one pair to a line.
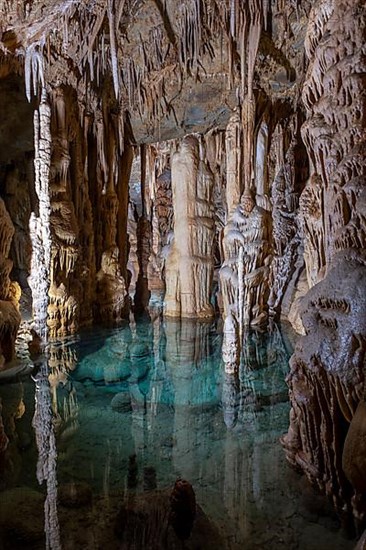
328,367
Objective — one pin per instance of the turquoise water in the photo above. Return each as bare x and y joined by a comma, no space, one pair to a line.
137,407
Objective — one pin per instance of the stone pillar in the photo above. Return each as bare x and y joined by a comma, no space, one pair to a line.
189,265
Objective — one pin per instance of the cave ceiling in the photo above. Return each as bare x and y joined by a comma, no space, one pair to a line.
169,73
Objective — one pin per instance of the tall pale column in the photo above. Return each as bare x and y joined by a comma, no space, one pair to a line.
189,265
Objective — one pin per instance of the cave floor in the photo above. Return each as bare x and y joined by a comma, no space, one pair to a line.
137,407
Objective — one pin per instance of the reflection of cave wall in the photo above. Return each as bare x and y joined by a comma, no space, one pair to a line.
244,127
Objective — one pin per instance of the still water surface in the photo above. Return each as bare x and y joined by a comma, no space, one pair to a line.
137,407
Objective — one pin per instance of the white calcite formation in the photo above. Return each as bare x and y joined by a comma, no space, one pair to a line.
189,265
233,147
245,271
40,229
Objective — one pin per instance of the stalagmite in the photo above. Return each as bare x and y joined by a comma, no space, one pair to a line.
189,265
246,235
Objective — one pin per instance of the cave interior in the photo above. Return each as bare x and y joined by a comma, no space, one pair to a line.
183,207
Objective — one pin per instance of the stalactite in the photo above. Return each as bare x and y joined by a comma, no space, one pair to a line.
233,147
114,53
40,231
34,69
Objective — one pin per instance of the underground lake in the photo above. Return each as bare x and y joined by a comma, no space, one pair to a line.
125,418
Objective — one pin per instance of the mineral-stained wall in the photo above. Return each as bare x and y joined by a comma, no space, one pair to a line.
327,377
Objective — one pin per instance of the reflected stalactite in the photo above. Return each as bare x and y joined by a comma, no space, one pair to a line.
244,391
230,399
187,350
47,454
230,345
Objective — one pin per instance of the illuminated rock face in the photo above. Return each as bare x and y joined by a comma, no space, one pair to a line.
189,265
327,379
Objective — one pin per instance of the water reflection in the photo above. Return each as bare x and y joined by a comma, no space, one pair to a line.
132,409
47,453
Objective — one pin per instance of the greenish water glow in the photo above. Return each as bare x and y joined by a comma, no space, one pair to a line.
157,390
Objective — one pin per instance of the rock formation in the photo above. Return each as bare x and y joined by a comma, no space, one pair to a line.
327,376
189,265
9,292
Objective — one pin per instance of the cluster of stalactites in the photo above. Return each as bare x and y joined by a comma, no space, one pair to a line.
92,37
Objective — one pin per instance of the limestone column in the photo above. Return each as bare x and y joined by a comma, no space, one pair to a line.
189,265
39,282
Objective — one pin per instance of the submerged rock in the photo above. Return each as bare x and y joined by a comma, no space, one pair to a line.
75,495
182,508
145,521
121,402
21,518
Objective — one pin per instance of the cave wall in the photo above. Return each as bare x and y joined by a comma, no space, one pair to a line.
327,378
9,291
